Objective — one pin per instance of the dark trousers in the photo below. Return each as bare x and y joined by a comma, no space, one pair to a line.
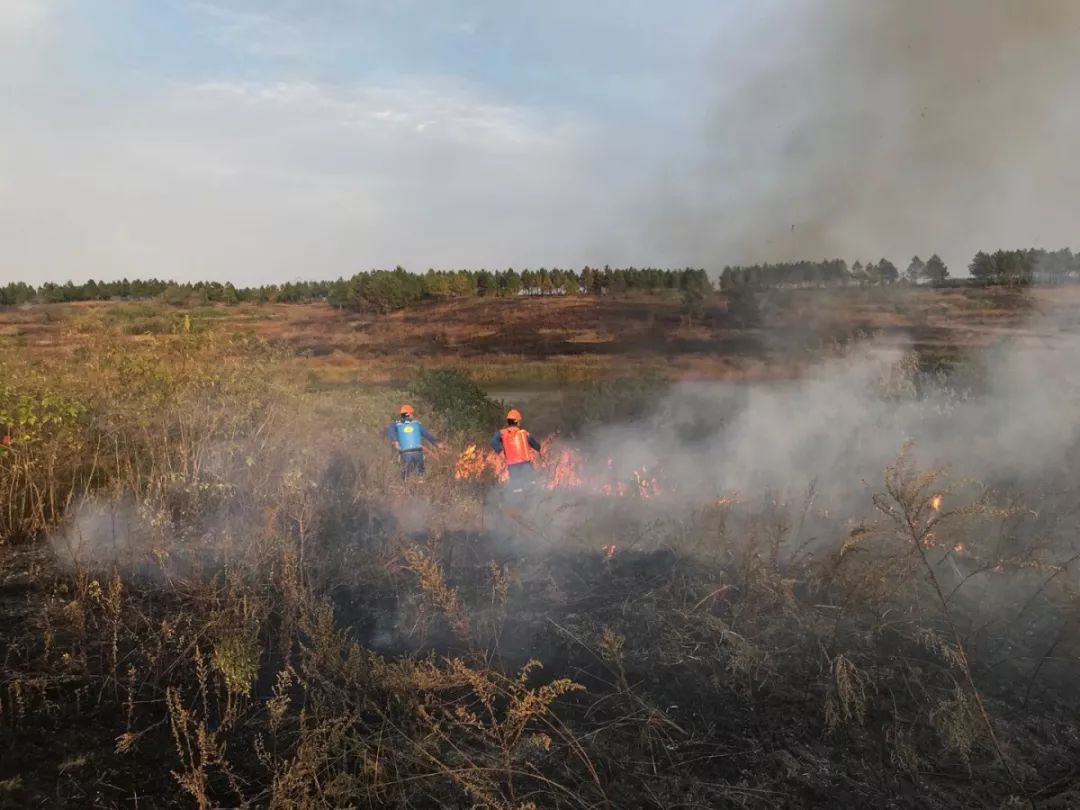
521,474
412,463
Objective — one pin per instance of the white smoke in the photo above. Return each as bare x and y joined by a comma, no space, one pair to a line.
1012,421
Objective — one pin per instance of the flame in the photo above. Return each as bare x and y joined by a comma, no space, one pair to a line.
647,485
958,548
935,503
618,489
562,470
609,551
473,463
557,468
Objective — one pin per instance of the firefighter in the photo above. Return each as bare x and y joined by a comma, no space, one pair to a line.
515,443
408,436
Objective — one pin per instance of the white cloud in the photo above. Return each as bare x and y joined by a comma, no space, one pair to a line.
327,140
458,112
273,180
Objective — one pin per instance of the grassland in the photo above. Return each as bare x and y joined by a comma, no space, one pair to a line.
508,341
215,592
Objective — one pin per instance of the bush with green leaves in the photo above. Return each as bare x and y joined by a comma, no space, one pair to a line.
463,403
43,457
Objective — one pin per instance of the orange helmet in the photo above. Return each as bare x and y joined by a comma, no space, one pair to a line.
514,415
406,410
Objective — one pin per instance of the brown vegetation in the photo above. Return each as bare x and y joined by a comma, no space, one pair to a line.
555,340
241,605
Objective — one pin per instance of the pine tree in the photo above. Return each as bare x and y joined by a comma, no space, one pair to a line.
935,271
915,270
983,267
887,272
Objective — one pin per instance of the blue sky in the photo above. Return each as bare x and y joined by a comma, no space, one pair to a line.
266,140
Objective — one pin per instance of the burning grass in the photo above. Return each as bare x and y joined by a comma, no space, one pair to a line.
559,467
242,606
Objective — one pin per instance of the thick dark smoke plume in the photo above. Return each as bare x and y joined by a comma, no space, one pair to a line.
860,129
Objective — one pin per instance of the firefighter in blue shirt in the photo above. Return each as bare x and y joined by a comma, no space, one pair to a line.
408,437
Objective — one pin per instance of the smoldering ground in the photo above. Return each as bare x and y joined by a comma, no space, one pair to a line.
337,490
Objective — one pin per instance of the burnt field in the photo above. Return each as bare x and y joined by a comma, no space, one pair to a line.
816,559
502,341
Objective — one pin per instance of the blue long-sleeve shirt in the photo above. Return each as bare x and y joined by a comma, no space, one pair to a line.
425,434
497,443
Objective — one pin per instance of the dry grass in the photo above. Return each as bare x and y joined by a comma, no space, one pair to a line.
505,341
253,611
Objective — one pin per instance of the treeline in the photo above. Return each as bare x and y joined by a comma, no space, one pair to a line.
389,290
1023,267
1013,267
384,291
139,289
378,290
49,293
832,273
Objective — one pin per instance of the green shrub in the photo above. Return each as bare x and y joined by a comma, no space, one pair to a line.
43,460
463,403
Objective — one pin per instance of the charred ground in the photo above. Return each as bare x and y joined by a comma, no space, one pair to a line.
507,339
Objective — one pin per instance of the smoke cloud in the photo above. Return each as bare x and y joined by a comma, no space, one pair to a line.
847,419
1008,420
860,129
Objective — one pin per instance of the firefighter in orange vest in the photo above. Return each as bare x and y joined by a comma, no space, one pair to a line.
516,445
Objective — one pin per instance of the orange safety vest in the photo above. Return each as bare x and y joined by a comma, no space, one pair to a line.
515,442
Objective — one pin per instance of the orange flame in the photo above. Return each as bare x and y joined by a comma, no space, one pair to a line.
609,551
935,503
562,470
616,490
473,463
556,469
647,486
